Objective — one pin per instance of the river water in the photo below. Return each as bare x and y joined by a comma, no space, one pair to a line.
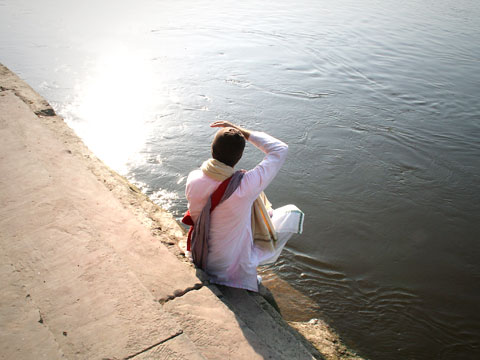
378,101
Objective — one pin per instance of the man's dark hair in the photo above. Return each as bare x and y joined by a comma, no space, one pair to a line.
228,145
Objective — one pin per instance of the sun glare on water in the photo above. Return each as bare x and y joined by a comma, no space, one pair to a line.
113,105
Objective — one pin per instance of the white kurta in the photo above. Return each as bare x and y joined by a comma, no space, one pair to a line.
232,256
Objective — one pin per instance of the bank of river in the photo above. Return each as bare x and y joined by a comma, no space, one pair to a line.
65,148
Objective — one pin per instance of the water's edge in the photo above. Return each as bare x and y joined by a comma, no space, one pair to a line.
164,227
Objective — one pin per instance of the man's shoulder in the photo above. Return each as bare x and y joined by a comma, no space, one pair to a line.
199,185
197,176
195,173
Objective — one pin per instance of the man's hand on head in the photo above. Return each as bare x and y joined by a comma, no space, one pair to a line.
223,123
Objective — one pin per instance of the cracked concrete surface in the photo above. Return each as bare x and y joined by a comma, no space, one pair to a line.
91,269
22,333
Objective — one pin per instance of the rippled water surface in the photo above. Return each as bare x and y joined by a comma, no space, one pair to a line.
378,100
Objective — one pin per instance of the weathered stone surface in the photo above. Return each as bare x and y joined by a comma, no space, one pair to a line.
148,258
216,331
10,81
173,349
249,311
78,253
23,333
325,339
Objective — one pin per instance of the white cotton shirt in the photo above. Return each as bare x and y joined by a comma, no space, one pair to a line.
232,256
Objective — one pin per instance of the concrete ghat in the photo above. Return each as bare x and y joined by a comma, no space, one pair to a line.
90,267
81,276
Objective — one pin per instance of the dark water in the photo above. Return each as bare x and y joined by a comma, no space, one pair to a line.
378,100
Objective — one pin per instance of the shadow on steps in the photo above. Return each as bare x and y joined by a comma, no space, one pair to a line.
258,312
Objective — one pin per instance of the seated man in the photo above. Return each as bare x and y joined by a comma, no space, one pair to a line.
232,255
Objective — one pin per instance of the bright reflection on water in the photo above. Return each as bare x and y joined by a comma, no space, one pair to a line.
113,105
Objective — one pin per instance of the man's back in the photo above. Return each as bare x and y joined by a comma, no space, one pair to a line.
232,256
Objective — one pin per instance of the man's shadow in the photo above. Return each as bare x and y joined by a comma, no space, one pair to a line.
263,326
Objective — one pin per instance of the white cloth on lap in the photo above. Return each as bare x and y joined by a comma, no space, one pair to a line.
287,220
